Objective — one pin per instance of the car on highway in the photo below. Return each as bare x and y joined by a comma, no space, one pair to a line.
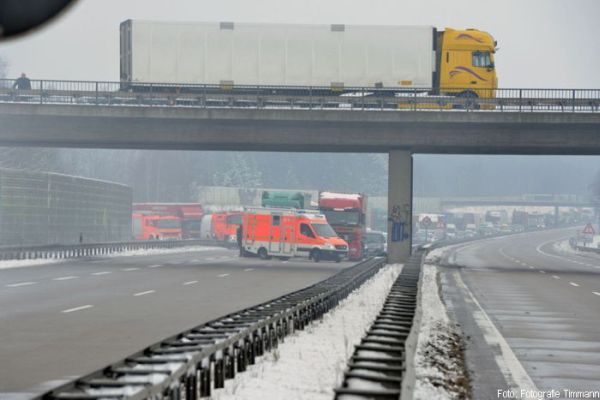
376,244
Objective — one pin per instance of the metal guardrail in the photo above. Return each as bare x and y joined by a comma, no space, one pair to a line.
189,365
101,93
376,369
93,249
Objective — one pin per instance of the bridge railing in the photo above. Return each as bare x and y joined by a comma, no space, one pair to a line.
103,93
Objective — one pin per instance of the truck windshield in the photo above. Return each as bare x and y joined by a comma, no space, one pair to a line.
324,230
191,225
345,218
482,59
234,219
167,224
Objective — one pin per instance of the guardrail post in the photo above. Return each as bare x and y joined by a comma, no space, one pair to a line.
42,92
310,97
520,99
362,95
415,99
204,381
573,98
96,93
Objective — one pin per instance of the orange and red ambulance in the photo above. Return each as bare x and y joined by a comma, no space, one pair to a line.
285,233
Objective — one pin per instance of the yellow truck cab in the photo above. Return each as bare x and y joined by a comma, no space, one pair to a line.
466,63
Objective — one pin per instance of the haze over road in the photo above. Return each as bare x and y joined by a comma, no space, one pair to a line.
66,319
544,302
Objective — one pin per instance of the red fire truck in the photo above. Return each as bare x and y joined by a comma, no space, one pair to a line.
190,215
156,227
346,213
225,224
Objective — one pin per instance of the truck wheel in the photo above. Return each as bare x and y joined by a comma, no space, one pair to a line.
262,253
470,97
315,255
337,258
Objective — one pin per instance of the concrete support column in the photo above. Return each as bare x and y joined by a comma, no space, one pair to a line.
400,172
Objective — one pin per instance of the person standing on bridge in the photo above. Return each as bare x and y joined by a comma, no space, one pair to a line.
22,83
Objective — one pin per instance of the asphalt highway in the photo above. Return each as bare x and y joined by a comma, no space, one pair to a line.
536,307
62,320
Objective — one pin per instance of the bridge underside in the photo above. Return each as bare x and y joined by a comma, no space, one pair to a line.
457,132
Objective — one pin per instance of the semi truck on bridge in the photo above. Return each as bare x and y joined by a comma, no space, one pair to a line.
296,59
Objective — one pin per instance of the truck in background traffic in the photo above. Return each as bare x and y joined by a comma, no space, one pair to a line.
338,58
221,227
156,227
282,199
190,215
346,213
285,233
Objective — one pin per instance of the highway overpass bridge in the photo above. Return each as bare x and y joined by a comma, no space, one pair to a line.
87,114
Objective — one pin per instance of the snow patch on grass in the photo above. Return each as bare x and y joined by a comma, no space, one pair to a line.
564,247
311,363
439,367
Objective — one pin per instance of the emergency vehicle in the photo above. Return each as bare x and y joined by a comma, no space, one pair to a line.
285,233
156,227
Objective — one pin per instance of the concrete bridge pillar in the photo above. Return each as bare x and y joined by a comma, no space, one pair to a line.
400,196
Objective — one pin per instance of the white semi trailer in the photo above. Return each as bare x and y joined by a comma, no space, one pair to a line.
230,55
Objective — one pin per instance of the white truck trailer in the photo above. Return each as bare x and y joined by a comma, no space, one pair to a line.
228,54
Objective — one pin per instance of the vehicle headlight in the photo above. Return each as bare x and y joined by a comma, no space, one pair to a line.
329,246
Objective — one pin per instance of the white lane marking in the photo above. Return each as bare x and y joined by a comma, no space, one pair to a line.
155,266
223,275
249,269
144,293
65,278
556,277
573,284
508,363
596,293
531,267
70,310
130,269
542,271
21,284
189,283
539,250
210,258
101,273
195,260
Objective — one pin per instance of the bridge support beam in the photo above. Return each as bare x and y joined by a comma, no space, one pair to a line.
400,196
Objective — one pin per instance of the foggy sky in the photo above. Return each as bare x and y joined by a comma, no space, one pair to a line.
543,43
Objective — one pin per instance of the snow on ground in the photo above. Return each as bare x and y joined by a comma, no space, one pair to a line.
25,263
439,369
311,363
564,247
143,252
